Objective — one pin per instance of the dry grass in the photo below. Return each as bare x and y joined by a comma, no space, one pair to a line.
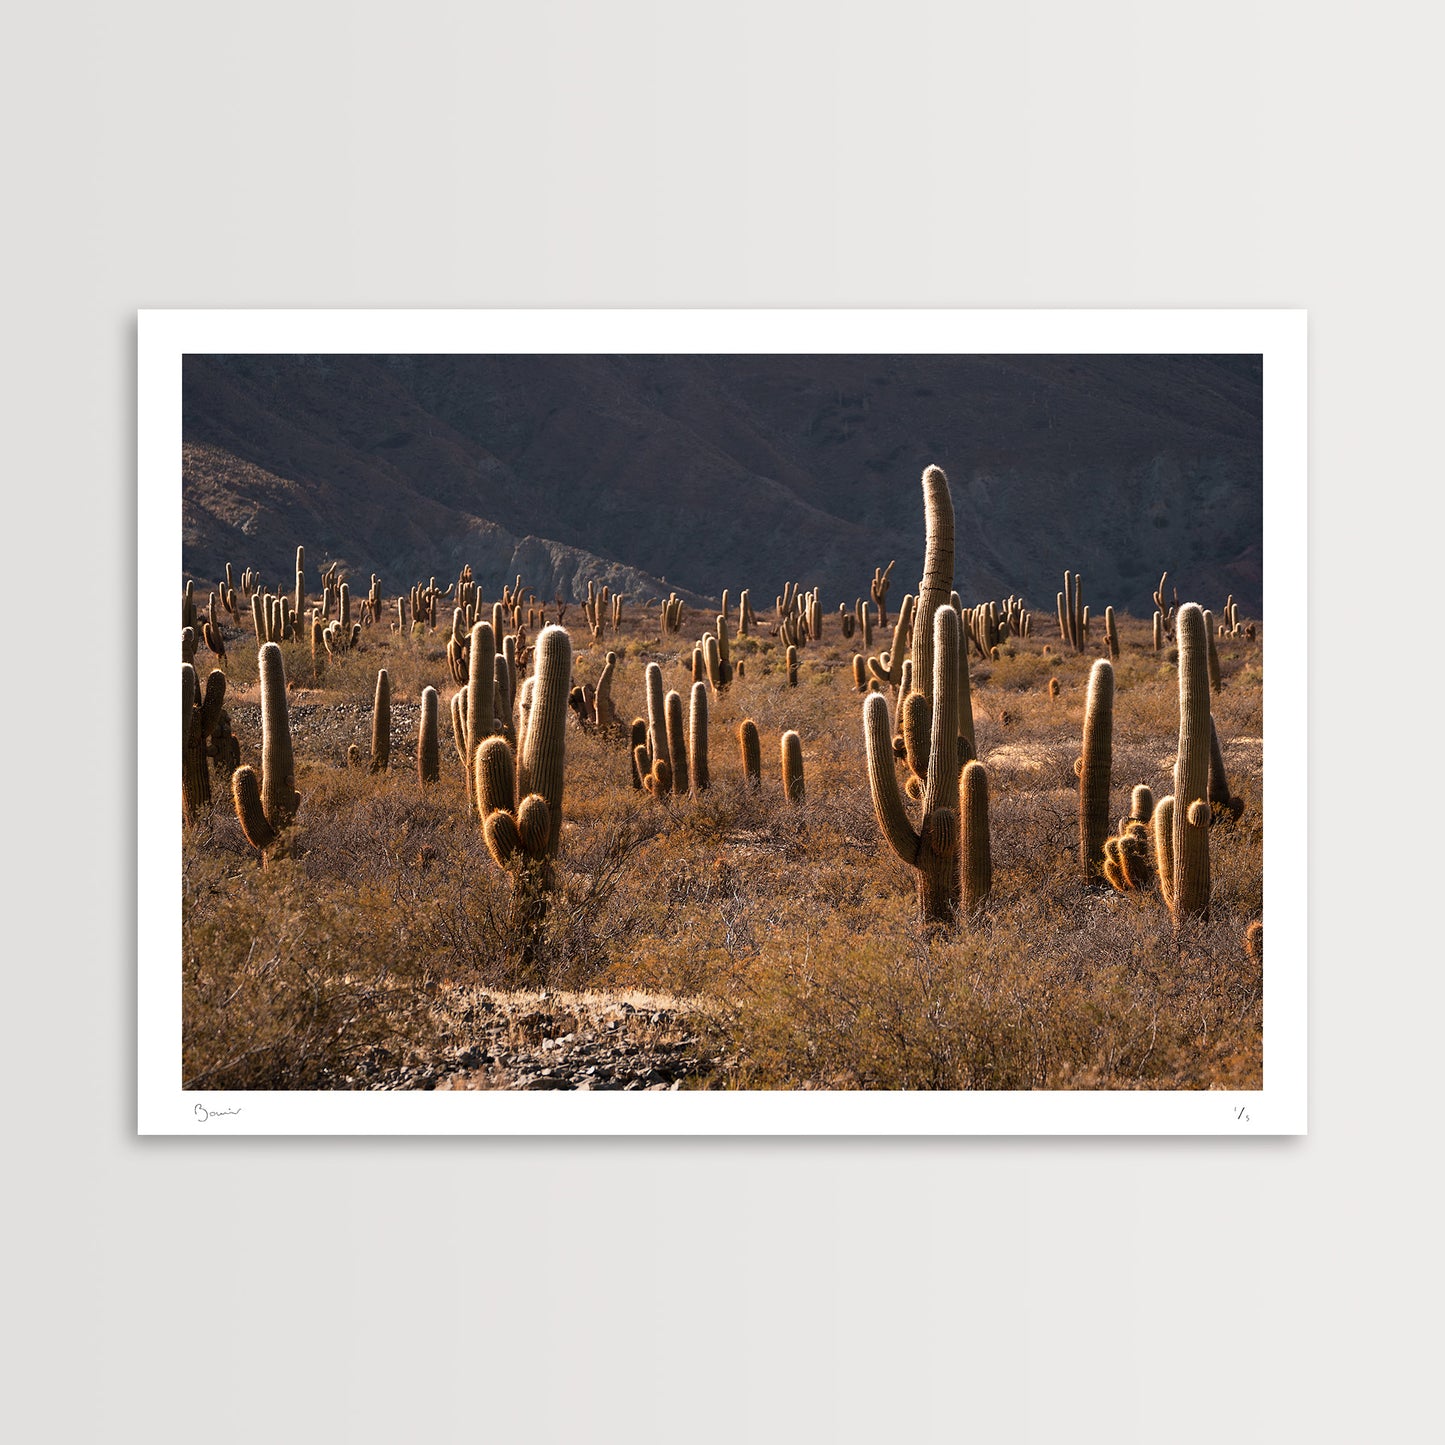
795,924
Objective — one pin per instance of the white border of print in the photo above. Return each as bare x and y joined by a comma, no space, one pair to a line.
1279,1108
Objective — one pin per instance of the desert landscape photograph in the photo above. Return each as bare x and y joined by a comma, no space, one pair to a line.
671,722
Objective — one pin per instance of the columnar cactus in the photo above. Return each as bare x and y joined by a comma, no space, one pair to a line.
889,668
266,807
480,715
604,714
932,848
677,742
1215,682
975,855
540,761
752,752
301,581
935,591
656,713
936,588
697,737
1222,802
641,763
1190,841
1111,633
879,592
1094,778
381,723
792,667
428,747
1164,848
792,751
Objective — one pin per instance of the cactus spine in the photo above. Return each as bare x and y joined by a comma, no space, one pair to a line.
428,746
1098,759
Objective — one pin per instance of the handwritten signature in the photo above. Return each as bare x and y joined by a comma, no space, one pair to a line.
203,1113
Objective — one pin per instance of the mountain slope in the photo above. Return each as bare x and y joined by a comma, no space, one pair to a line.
715,472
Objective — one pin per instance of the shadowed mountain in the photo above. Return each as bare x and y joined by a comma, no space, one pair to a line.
704,472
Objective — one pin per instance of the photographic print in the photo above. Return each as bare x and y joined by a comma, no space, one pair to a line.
722,722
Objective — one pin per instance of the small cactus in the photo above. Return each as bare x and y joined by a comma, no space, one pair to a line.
975,856
752,752
697,737
428,747
792,754
381,723
1254,942
1097,765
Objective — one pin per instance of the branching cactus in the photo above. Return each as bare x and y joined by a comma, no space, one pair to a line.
889,667
428,745
792,758
604,714
752,752
932,847
879,592
1098,762
266,806
381,723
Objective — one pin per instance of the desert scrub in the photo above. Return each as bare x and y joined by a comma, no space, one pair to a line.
770,912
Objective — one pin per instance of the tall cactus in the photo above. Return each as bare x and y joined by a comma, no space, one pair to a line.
1190,841
540,768
266,807
479,717
677,742
935,591
933,847
381,723
697,737
1096,774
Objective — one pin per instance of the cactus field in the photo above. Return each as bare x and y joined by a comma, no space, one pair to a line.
444,833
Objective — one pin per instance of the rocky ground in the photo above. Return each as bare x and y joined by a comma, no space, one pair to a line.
546,1040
